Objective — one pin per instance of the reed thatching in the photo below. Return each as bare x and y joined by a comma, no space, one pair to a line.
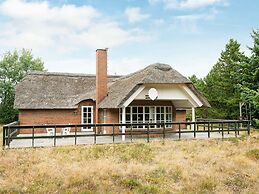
65,90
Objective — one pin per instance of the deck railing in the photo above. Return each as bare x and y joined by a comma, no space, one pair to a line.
33,132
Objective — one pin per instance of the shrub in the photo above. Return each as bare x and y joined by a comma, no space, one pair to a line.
253,154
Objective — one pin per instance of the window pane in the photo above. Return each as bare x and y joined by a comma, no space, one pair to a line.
140,109
128,110
146,109
146,118
162,110
152,109
134,117
158,117
134,109
127,117
157,109
140,118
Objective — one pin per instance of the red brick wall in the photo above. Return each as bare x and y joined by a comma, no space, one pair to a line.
73,116
181,116
50,116
112,116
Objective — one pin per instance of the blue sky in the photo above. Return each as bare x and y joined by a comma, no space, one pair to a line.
187,34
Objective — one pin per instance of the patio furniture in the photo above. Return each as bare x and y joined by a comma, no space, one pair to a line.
65,131
50,131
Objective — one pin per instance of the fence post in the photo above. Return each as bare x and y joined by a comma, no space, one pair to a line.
228,127
112,133
235,129
179,127
194,131
164,130
8,140
4,128
75,134
222,125
95,134
148,132
208,129
32,136
238,128
248,128
131,132
55,131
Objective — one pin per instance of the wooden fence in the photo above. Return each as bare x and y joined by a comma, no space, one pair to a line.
12,131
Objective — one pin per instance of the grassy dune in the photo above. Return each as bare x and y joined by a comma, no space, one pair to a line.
193,166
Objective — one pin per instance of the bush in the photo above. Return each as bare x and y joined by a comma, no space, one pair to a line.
253,154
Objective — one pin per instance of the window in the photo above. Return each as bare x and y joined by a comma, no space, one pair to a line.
148,114
87,117
104,115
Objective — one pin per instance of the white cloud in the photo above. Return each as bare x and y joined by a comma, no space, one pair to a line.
189,23
194,17
188,4
134,14
39,26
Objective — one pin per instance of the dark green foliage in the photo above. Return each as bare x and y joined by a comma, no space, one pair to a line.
233,79
13,68
222,81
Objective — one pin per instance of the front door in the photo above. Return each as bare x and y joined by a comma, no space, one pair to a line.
87,117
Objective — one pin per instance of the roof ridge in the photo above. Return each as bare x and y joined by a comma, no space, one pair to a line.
161,66
67,74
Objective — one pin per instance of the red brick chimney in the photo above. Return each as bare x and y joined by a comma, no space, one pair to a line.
101,77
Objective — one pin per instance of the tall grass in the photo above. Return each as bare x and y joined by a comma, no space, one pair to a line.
187,166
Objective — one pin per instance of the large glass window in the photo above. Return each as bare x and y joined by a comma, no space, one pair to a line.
148,114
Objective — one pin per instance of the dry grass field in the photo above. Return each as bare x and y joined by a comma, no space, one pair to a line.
187,166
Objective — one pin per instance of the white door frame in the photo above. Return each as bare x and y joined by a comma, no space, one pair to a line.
82,117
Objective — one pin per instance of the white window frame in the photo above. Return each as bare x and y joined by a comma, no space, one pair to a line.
82,117
155,115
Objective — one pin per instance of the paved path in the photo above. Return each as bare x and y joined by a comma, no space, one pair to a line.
49,142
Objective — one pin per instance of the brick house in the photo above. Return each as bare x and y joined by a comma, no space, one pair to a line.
157,93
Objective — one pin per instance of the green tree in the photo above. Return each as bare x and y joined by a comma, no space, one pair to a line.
200,85
249,77
221,84
13,68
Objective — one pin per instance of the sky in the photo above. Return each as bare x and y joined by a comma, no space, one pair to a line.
187,34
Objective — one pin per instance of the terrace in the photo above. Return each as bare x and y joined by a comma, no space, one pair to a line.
14,137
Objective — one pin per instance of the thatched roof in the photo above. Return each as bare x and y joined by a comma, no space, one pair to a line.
44,90
59,90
